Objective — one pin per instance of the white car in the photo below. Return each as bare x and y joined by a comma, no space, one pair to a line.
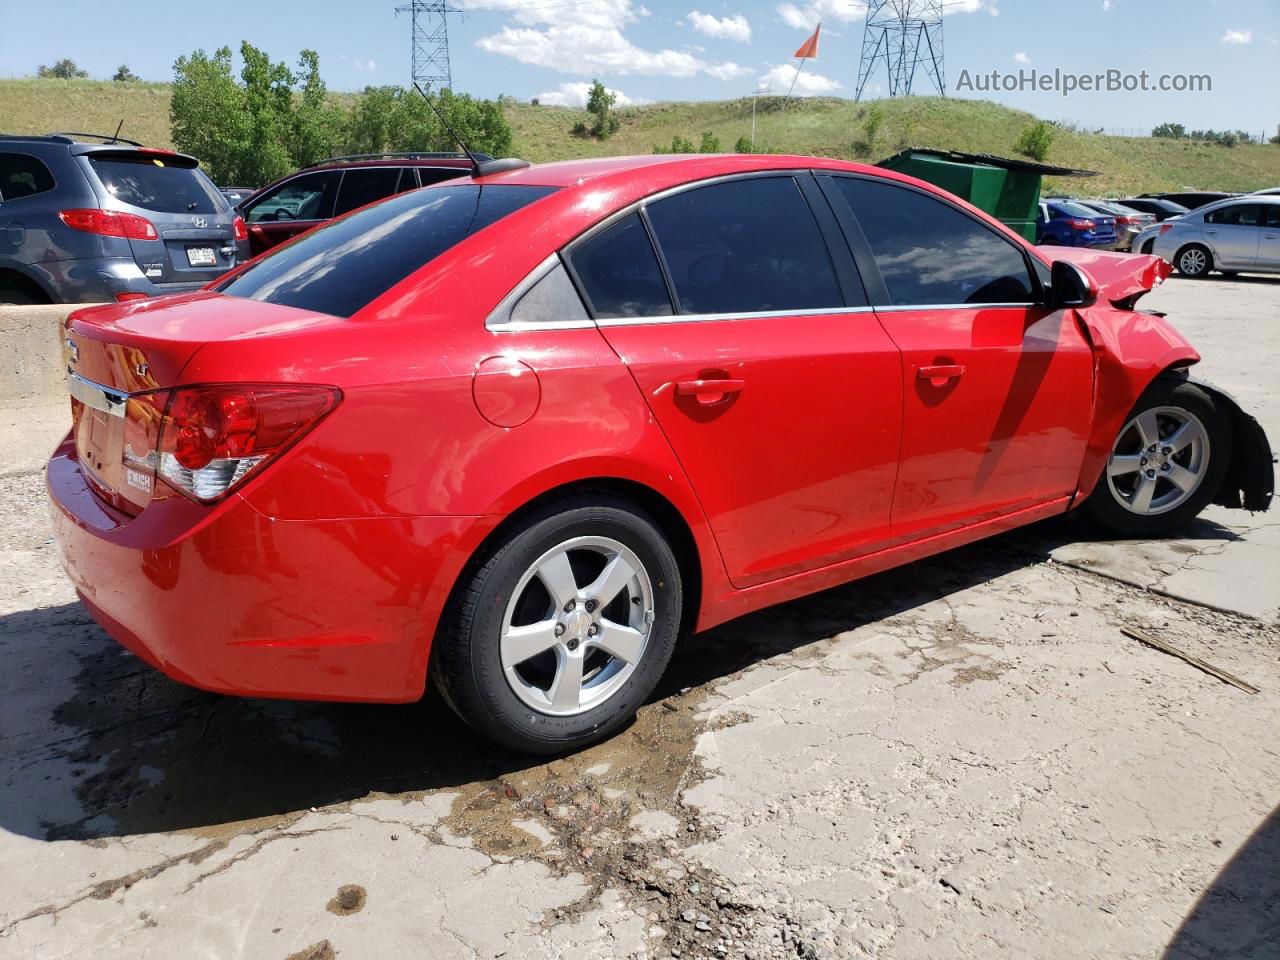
1241,234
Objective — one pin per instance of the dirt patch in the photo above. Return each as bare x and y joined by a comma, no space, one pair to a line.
350,898
317,951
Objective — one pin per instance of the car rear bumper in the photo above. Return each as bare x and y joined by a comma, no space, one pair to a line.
227,599
99,280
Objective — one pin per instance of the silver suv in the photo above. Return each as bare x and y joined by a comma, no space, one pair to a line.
87,218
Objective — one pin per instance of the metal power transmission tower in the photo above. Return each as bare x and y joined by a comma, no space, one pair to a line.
430,26
903,34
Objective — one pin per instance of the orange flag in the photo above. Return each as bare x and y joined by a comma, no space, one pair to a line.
809,49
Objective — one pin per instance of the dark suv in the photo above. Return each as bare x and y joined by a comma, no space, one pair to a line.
318,193
113,220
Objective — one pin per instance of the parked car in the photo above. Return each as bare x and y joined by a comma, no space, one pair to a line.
1268,192
1240,234
518,432
1069,224
1161,209
237,195
1191,199
82,221
302,200
1129,222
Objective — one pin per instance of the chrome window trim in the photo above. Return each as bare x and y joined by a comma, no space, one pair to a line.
898,308
718,317
96,396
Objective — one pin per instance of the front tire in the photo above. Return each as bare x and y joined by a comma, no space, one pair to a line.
560,635
1194,260
1166,464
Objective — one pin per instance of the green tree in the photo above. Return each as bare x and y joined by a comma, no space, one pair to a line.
1276,138
744,145
600,105
679,144
317,126
710,143
1035,141
64,69
208,116
396,119
1170,131
124,75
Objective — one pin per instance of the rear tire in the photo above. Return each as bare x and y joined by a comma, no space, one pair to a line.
592,587
1194,260
1146,492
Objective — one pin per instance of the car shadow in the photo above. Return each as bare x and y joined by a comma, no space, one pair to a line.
1239,915
105,746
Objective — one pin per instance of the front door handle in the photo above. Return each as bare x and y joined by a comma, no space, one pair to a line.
940,372
710,392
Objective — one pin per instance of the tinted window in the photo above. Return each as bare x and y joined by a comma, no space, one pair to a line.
365,185
1271,215
151,183
308,197
340,267
1074,210
619,272
408,180
931,253
1240,214
22,176
430,175
745,245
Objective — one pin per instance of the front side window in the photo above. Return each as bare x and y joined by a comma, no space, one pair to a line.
342,266
1240,215
156,183
308,197
22,176
363,185
619,272
930,253
744,246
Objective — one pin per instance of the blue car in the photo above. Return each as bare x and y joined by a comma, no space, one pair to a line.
1069,224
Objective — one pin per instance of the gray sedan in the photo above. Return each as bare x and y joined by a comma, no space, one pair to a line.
1241,234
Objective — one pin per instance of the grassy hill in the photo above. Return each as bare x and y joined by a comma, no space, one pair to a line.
825,126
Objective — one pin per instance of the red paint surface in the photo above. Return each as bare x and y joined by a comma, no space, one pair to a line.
325,574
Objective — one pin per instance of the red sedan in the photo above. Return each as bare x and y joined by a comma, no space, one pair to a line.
520,432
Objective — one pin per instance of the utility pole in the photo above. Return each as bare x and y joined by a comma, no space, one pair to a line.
903,34
429,25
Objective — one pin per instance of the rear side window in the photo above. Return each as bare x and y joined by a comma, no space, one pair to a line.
1240,214
22,176
154,184
341,267
744,246
619,272
308,197
363,185
929,253
430,175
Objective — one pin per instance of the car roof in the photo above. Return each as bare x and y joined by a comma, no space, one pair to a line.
568,173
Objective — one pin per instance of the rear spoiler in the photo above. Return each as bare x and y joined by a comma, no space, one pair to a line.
167,158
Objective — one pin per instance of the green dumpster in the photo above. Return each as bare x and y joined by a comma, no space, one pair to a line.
1007,189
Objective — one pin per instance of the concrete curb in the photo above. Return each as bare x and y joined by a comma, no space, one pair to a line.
32,370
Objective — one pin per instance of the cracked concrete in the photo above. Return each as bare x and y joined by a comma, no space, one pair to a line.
962,758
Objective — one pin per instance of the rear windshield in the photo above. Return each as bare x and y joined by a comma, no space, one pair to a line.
155,184
340,267
1076,210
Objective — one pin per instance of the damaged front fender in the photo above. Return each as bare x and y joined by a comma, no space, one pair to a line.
1250,481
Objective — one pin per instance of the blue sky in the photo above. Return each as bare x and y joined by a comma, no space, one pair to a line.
702,49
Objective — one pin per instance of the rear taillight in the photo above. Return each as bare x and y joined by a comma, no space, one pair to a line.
129,295
1080,224
214,437
1166,227
241,231
1126,220
109,223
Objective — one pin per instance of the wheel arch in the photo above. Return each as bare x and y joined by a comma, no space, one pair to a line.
14,277
1250,480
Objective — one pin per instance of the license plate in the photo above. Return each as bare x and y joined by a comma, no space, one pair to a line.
201,257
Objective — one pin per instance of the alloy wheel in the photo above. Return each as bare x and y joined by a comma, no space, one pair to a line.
1192,262
1159,460
577,625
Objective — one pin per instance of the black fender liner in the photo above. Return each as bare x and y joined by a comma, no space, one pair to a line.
1250,481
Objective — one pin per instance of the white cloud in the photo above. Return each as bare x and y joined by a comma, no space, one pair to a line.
728,70
779,78
735,27
1106,6
1021,57
582,37
575,95
366,65
807,17
1233,38
971,6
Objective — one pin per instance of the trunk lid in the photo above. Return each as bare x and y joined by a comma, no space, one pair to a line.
122,361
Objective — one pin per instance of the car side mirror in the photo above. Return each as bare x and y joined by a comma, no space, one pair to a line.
1069,286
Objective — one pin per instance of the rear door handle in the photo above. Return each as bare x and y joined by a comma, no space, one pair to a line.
946,371
709,391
